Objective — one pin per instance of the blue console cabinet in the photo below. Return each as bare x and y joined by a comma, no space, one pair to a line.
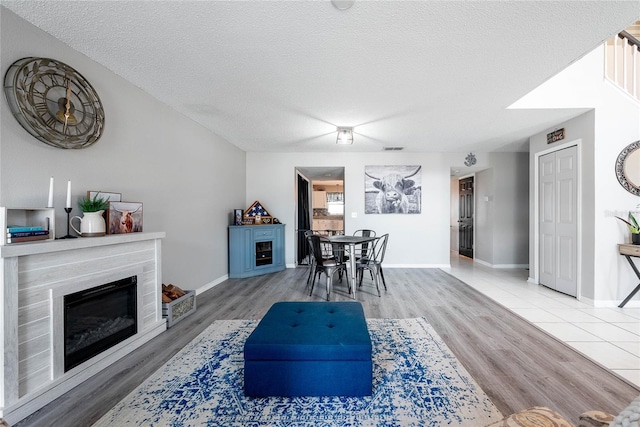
255,250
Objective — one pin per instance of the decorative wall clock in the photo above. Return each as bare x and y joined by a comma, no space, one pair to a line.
54,102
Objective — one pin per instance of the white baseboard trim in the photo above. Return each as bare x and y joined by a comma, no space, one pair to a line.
291,266
417,265
532,280
210,285
633,303
485,263
481,262
511,266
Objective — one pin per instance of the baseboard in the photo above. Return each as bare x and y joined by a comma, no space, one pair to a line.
210,285
614,304
532,280
416,265
505,266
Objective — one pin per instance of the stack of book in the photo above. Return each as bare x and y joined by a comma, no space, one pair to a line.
18,233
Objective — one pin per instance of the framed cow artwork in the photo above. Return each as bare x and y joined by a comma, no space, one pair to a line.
124,217
392,189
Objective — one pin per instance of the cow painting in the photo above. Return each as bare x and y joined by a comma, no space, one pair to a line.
392,189
124,217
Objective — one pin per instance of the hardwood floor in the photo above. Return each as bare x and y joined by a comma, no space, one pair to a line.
515,363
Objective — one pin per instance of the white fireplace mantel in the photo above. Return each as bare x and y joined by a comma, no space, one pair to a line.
34,277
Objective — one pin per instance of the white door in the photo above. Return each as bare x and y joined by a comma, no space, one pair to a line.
558,220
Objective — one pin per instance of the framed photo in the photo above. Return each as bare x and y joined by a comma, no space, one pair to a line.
124,217
393,189
108,196
237,217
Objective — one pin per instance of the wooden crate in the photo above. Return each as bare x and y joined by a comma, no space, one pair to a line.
180,308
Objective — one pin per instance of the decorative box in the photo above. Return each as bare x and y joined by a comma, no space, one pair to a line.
180,308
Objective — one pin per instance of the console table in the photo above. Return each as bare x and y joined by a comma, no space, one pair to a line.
255,250
629,251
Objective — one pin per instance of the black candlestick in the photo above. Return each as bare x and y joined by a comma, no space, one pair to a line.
68,236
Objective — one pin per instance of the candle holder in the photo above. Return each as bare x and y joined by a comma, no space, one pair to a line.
68,236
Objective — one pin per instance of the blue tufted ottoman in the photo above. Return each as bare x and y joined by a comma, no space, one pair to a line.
309,349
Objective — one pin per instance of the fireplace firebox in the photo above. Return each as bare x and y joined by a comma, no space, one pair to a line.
97,319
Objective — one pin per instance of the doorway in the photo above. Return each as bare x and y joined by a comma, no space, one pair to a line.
319,204
558,220
465,217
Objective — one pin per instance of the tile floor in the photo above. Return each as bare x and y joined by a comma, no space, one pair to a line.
609,336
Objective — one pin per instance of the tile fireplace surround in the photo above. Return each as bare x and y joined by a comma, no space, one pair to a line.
35,278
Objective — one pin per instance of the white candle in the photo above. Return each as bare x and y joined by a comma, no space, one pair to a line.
68,194
50,201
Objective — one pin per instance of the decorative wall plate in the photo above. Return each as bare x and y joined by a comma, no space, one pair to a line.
54,102
628,168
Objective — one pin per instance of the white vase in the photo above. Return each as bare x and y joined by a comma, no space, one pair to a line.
91,224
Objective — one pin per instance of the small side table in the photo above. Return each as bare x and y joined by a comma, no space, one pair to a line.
629,251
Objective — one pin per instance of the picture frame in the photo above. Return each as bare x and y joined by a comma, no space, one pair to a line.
406,180
124,217
107,195
237,216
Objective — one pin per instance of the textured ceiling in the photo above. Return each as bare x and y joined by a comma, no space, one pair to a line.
281,75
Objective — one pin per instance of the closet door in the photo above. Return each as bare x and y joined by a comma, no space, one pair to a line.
558,220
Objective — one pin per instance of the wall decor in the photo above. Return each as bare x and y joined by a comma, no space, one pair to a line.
470,160
392,189
555,136
256,214
106,195
237,217
628,168
124,217
54,102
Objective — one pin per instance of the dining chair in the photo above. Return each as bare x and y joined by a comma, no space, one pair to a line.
364,248
323,265
373,262
327,253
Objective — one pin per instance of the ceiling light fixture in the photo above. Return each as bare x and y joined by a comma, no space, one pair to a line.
345,136
343,4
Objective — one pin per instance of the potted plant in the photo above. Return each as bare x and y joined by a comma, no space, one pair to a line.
94,204
634,228
92,223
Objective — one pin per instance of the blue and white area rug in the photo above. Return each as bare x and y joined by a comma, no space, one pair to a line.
417,381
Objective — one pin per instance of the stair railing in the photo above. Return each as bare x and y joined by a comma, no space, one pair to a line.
622,63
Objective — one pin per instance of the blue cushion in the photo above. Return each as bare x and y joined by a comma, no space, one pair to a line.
311,331
309,349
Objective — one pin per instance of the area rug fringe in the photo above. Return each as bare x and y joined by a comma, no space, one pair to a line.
417,381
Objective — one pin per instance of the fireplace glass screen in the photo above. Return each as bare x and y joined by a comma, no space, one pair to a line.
97,319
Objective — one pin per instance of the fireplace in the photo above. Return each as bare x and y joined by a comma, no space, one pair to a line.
98,318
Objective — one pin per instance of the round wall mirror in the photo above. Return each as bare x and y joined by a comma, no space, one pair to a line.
628,168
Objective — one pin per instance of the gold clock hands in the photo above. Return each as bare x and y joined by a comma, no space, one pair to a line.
68,107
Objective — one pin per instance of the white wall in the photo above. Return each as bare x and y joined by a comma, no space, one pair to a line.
603,132
578,131
502,211
416,240
511,209
484,213
188,178
617,125
455,215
